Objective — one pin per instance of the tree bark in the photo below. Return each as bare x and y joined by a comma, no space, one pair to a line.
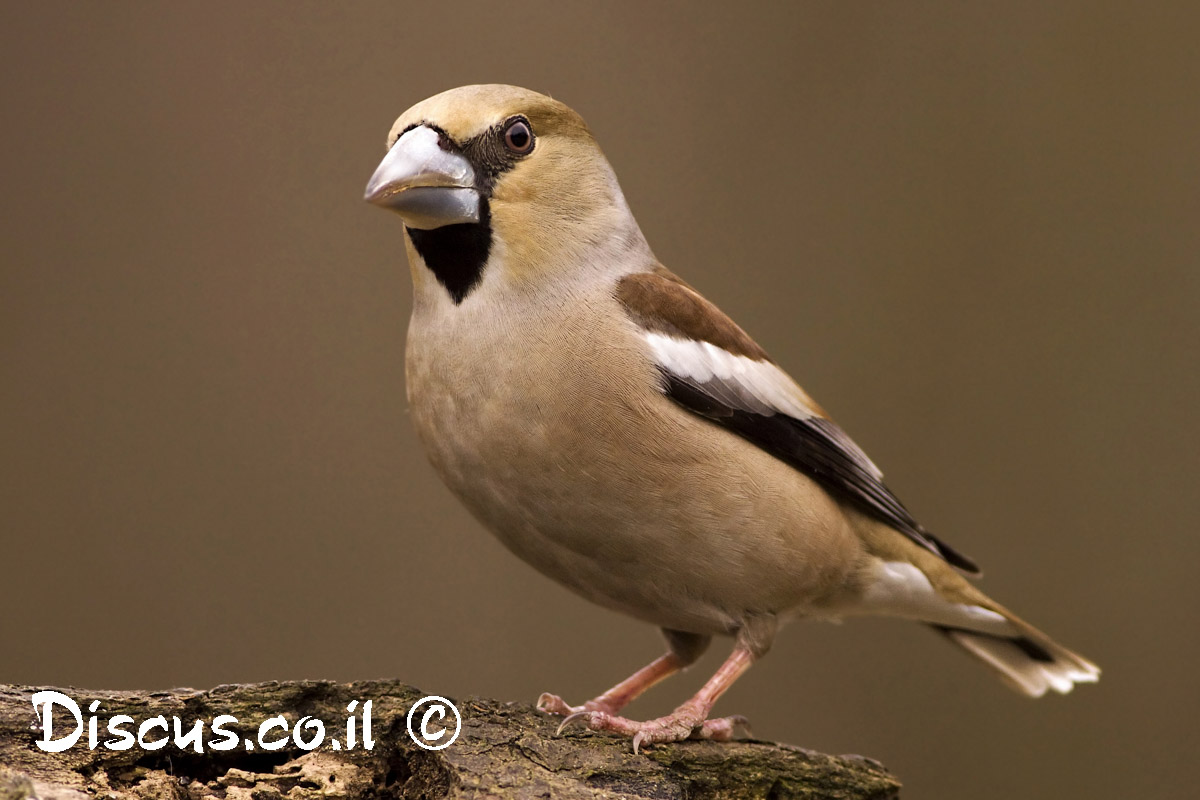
504,750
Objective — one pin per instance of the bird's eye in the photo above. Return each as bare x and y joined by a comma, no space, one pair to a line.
518,137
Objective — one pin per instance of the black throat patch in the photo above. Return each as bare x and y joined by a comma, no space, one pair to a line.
457,254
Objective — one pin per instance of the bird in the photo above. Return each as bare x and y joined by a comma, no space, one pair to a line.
618,432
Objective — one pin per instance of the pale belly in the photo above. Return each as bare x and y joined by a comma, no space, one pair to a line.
615,492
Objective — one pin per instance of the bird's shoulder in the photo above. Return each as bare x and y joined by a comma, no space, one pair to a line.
662,302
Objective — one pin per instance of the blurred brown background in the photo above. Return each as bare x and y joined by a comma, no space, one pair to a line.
969,229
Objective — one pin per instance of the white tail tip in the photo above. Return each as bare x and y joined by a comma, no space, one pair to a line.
1031,667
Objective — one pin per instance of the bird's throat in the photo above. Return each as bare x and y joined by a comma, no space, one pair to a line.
456,254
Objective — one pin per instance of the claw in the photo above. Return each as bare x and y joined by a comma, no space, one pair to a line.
571,718
552,704
722,729
738,721
638,738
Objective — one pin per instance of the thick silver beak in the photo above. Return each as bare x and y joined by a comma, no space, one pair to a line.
427,186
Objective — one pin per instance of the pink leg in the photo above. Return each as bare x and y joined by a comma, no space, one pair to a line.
689,721
620,695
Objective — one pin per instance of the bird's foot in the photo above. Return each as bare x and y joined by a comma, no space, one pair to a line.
553,704
685,722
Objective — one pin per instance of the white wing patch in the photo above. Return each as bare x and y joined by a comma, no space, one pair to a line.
742,383
745,384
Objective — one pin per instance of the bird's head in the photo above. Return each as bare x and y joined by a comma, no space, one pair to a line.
500,179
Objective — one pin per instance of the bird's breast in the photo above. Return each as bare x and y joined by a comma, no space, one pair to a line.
527,415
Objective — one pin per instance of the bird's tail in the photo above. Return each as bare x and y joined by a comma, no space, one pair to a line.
1029,661
910,582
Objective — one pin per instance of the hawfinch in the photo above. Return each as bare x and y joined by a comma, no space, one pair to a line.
619,433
